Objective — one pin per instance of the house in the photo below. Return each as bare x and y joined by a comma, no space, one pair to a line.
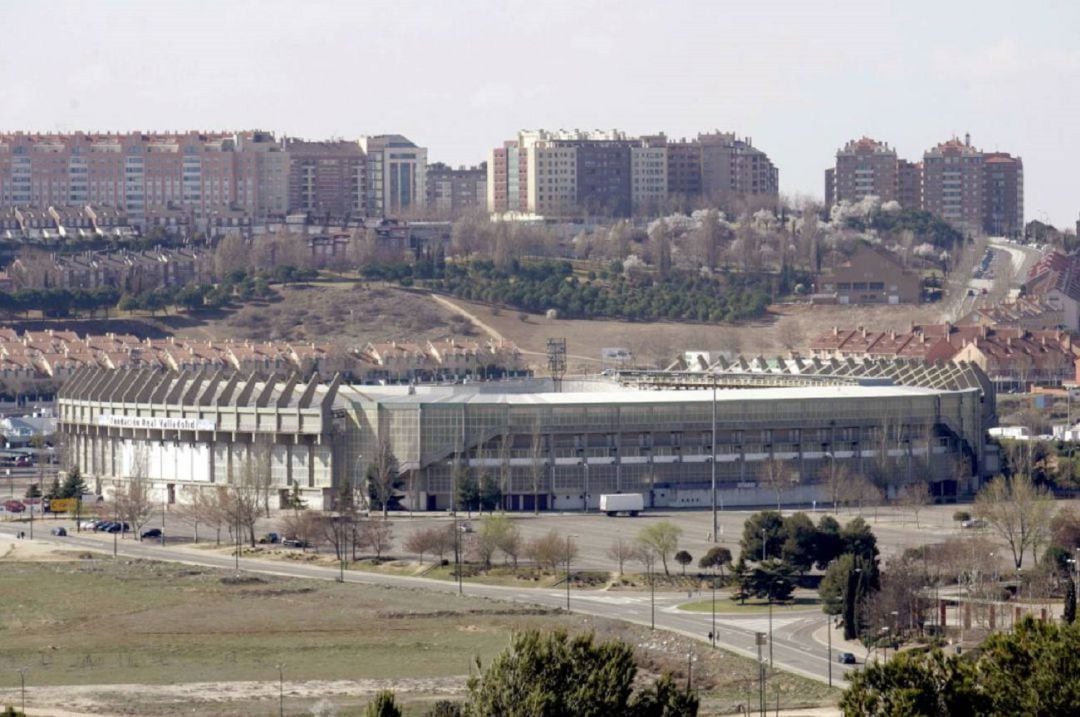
870,276
1055,279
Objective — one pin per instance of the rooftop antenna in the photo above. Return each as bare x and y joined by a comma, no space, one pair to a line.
556,352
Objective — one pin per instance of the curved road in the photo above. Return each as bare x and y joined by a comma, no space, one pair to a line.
794,647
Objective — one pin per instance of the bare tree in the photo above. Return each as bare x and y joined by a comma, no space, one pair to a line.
422,541
375,535
620,551
778,476
241,501
1018,510
915,496
384,474
134,503
307,526
837,479
505,473
548,550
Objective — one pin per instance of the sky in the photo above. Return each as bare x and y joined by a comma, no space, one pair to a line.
799,77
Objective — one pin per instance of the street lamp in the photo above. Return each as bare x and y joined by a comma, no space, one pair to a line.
712,635
281,689
568,537
828,635
22,686
712,468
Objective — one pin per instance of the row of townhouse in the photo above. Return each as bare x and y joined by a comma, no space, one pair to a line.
130,271
1014,357
33,357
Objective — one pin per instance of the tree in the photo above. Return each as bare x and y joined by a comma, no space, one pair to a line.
771,579
1018,511
1030,670
548,674
537,464
859,540
717,557
662,538
445,708
683,558
930,685
1069,615
740,574
375,535
777,475
767,523
620,551
549,550
74,486
829,545
382,706
384,478
915,497
800,542
494,532
468,490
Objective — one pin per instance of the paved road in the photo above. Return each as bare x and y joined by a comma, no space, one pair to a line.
794,648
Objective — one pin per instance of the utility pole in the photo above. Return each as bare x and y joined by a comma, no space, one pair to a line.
760,640
828,655
712,467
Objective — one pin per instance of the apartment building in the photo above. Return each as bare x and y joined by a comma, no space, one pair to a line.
953,184
732,168
454,191
572,174
326,177
396,173
864,167
977,192
909,179
1003,195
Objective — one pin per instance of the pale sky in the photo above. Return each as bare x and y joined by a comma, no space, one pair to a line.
459,76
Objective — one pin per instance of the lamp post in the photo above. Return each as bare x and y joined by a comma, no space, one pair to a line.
281,689
457,554
568,544
712,635
712,467
828,635
22,686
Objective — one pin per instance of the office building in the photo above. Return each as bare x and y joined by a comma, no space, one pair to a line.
396,175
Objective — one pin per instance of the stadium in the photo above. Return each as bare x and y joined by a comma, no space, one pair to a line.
667,434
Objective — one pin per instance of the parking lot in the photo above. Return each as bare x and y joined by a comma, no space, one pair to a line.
594,533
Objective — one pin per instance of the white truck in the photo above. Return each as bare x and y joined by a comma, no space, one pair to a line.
615,503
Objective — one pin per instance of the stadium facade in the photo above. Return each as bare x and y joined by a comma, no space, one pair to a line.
663,434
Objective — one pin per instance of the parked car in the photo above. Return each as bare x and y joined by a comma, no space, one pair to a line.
294,543
61,532
102,526
88,524
14,506
152,533
465,527
270,538
973,524
846,658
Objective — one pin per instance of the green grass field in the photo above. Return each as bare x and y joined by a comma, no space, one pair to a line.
726,605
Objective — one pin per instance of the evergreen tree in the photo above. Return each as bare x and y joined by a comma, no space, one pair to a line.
74,485
383,706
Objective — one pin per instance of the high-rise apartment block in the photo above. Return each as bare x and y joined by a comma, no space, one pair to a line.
209,175
453,191
607,173
326,177
397,175
976,192
864,167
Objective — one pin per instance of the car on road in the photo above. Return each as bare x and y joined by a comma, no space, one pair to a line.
61,532
152,533
846,658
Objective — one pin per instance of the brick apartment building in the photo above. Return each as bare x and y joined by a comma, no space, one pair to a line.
571,174
976,192
188,179
453,191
